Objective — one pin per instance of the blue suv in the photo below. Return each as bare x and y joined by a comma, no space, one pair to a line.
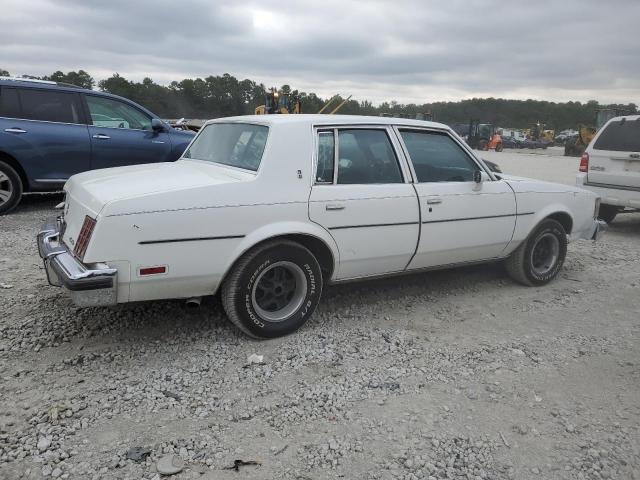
50,131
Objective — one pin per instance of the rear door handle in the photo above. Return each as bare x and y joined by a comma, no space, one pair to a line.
101,136
15,130
433,201
334,206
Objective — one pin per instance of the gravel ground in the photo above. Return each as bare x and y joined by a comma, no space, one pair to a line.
459,374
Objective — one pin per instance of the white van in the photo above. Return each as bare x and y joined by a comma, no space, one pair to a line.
610,166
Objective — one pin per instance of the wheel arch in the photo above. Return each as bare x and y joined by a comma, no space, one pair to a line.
311,236
13,163
564,218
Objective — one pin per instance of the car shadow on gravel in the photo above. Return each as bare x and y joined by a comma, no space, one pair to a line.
429,286
627,223
36,202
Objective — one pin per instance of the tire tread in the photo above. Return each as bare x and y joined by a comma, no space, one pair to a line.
230,286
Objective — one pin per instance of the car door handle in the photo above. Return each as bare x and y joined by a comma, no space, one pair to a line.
15,130
433,201
334,206
101,136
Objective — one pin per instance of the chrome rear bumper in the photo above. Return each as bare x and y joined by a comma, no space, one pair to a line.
88,285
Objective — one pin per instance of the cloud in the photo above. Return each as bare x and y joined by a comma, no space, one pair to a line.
408,50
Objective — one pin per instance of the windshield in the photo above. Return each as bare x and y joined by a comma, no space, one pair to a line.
236,144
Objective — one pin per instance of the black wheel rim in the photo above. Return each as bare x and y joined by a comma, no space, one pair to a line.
545,254
279,291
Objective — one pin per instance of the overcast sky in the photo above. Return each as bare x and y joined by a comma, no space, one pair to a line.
407,50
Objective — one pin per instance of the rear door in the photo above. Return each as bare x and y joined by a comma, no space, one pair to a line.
614,159
461,220
362,197
122,135
45,130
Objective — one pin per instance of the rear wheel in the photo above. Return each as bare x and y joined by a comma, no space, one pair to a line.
10,188
608,212
539,259
273,289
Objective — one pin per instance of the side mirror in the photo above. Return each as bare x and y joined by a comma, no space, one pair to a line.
477,176
157,125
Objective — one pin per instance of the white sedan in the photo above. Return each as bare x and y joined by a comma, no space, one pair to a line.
268,209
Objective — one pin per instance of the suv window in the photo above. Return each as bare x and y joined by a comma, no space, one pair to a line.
436,157
326,156
9,104
621,136
366,156
239,145
109,113
49,106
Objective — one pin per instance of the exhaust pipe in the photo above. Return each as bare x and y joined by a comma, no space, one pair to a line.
193,302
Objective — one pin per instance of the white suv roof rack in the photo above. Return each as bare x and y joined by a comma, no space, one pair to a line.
34,80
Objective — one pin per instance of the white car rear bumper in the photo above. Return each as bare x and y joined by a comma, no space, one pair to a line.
611,194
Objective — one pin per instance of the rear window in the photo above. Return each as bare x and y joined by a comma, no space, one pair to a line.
239,145
620,136
50,106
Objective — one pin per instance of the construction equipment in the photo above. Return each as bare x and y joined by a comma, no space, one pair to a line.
276,101
483,136
577,146
330,101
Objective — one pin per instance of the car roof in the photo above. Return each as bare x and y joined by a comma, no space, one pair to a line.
321,119
63,87
627,117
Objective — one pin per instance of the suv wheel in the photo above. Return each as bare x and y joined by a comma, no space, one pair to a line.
539,259
608,212
10,188
273,289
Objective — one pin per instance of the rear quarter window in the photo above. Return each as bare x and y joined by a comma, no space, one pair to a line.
620,136
9,105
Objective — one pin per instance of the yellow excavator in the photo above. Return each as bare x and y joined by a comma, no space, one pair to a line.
278,102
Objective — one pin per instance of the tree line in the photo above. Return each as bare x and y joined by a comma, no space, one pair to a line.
225,95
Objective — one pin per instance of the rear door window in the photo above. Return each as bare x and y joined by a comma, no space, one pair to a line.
620,136
366,157
9,104
50,106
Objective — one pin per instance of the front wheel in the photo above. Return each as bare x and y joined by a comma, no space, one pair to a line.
539,259
273,289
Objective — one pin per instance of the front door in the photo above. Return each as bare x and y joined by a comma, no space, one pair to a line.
122,135
461,220
361,197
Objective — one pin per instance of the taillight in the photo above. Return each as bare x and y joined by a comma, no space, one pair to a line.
83,239
584,162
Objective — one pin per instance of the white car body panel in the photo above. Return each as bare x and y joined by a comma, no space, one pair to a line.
470,222
376,229
197,218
